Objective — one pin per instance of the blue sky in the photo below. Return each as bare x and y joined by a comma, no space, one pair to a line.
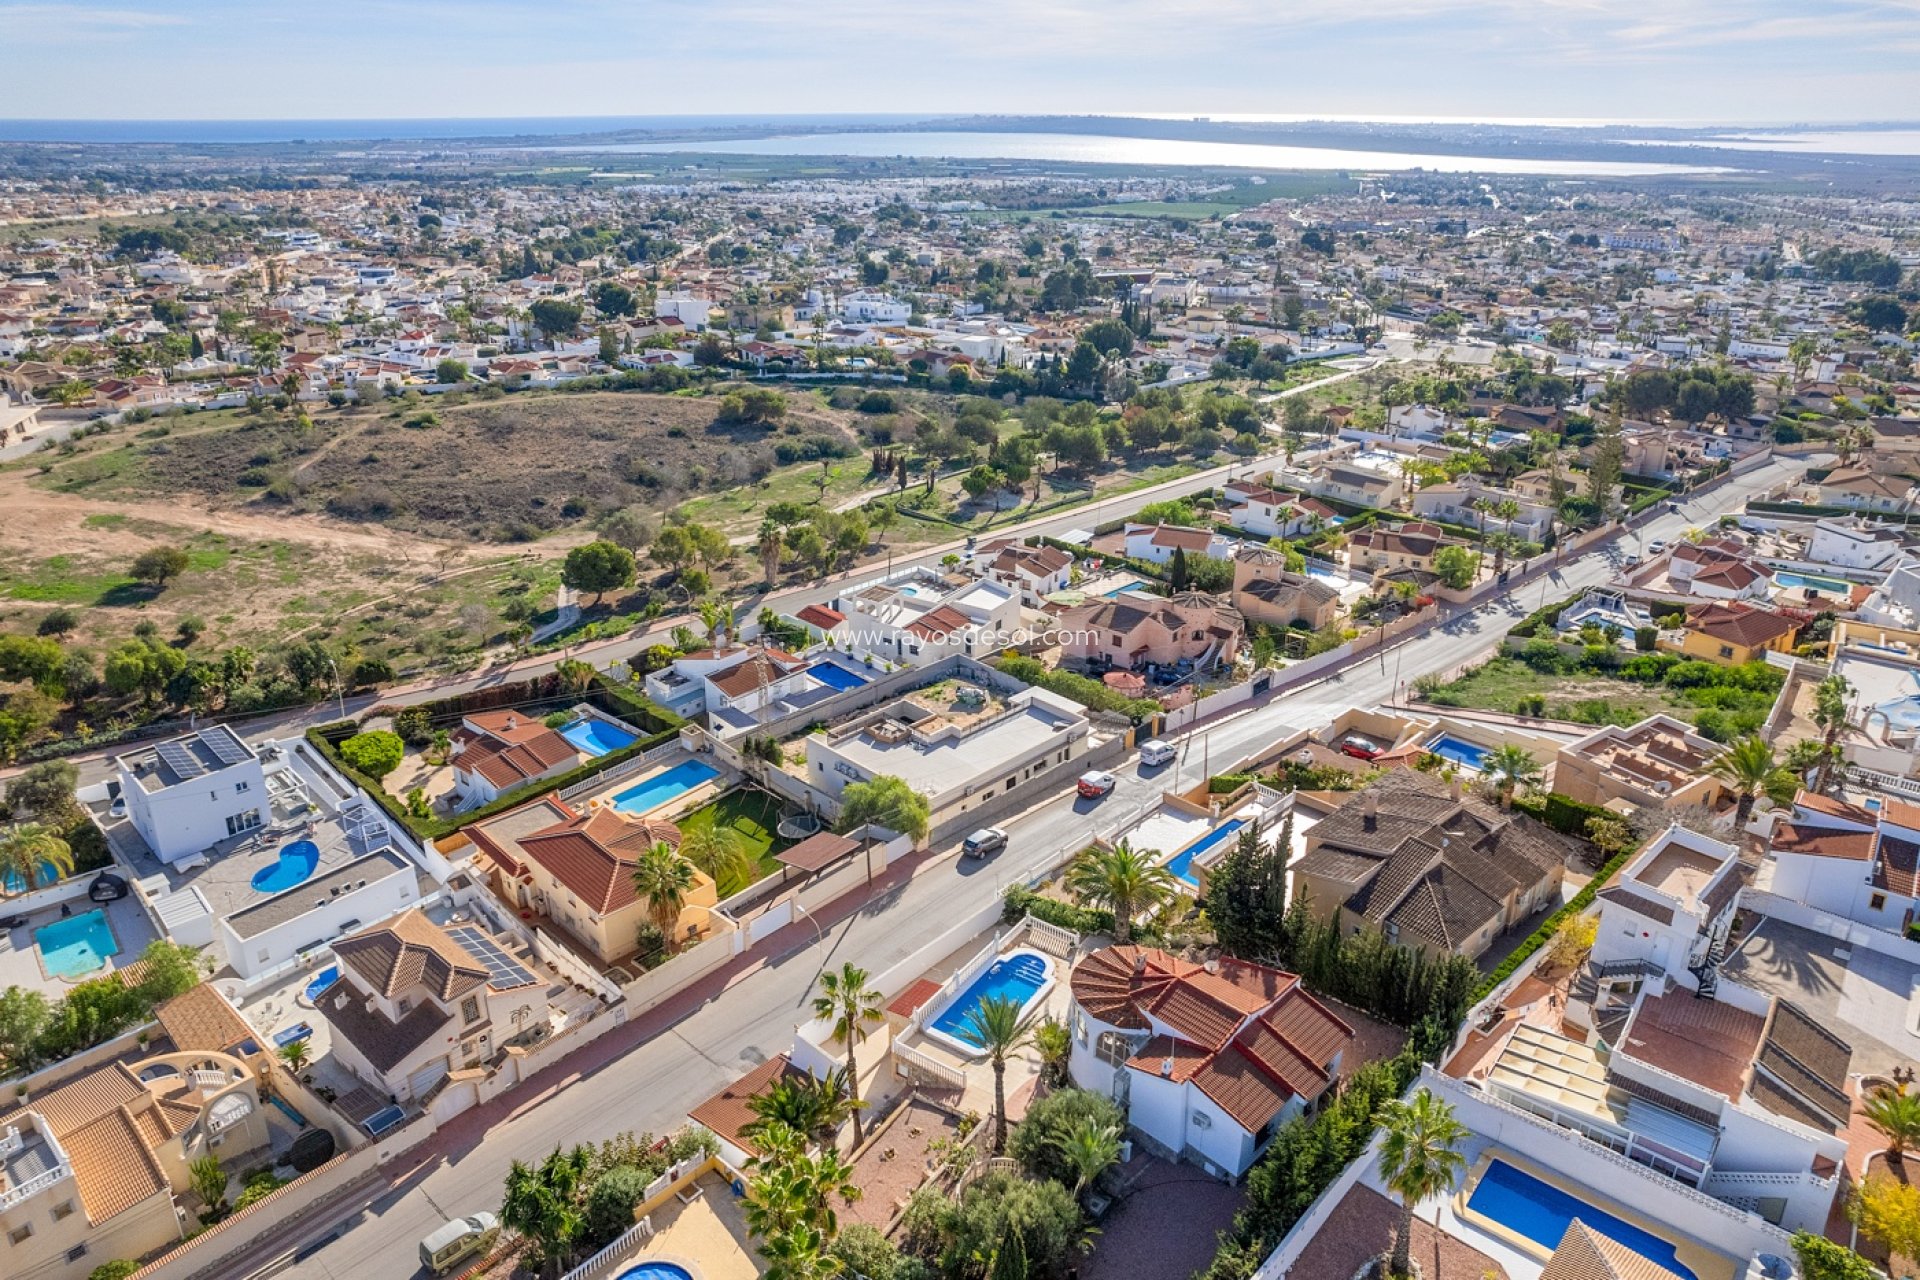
1707,60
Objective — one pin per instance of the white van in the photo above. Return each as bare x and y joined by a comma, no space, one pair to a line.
1154,752
454,1242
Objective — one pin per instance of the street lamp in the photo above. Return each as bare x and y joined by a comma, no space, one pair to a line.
339,691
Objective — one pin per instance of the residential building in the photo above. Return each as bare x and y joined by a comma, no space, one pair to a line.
495,752
1659,763
1856,863
1431,867
1718,569
1603,608
1034,572
1269,513
1266,591
1131,631
1208,1060
1156,543
187,794
576,870
1469,501
415,1003
1850,542
920,617
1357,486
957,743
1384,547
1735,632
1896,601
1865,490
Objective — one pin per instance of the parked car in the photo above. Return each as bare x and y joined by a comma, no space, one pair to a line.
1154,752
453,1242
1097,783
1359,748
983,842
106,887
118,809
1655,547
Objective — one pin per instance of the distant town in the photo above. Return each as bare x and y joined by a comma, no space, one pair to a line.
707,717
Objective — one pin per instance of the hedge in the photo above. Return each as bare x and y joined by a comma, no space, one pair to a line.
1022,902
1548,927
327,737
1563,813
1546,615
1088,692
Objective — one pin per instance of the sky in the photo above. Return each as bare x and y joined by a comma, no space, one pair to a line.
1712,61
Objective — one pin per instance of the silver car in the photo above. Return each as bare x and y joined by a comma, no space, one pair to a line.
983,842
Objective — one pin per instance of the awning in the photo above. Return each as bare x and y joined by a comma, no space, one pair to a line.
818,852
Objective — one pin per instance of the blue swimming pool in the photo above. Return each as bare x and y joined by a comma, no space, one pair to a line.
656,1270
642,797
1826,586
76,946
293,867
13,882
596,737
1522,1203
321,981
1020,977
1181,864
1458,750
835,676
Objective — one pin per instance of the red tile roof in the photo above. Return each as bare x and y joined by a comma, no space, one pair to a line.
818,615
594,856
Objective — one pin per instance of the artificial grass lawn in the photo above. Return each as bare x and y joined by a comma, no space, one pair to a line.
752,815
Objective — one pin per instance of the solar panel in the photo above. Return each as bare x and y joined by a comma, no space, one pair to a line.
177,758
228,748
504,970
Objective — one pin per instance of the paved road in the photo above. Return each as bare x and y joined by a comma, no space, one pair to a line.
680,1056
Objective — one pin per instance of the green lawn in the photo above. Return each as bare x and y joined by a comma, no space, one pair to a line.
752,815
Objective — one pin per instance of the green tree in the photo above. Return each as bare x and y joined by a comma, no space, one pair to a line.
1456,566
24,1017
375,753
209,1182
1607,465
543,1204
157,566
294,1054
852,1005
1895,1112
663,879
717,851
1887,1210
888,802
1246,894
44,791
556,317
1822,1259
1510,767
1419,1157
996,1026
1090,1149
1039,1140
1830,715
611,298
28,851
1122,879
600,566
1744,765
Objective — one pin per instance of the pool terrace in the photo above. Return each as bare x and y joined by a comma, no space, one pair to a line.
665,789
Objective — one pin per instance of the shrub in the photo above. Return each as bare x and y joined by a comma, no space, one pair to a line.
118,1269
376,753
1822,1259
610,1204
1036,1142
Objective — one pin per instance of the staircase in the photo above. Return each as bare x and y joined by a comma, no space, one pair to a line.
1708,969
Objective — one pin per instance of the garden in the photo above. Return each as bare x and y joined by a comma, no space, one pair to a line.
747,818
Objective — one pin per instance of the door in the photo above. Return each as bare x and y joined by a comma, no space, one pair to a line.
454,1099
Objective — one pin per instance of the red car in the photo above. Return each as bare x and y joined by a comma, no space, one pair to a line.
1358,747
1096,784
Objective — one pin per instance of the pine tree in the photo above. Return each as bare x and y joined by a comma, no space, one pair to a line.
1179,569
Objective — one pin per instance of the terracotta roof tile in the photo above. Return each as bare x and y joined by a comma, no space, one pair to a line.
726,1112
411,951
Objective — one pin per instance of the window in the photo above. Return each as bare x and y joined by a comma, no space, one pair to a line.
1726,651
63,1210
1878,902
241,786
243,822
1113,1048
470,1009
406,1004
20,1234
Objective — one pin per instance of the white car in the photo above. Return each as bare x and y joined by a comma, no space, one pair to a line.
1097,783
1154,752
1655,547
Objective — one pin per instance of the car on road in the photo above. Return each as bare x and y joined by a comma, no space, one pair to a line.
1655,547
983,842
453,1242
1097,783
1154,752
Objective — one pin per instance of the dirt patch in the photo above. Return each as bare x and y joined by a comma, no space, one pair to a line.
495,470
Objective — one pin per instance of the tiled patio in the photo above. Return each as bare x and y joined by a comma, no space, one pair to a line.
1164,1222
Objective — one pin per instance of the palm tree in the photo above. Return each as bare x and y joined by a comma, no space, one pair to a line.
28,850
773,541
1055,1044
717,851
1121,879
996,1026
1419,1157
1510,767
1896,1114
543,1203
800,1253
1744,765
807,1105
1089,1149
846,998
294,1055
1830,713
663,879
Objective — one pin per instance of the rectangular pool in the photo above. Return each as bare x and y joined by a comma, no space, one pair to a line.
1181,864
1020,976
1826,586
835,676
1540,1212
596,737
76,946
650,794
1458,750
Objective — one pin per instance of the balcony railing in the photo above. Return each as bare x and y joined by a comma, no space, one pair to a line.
34,1186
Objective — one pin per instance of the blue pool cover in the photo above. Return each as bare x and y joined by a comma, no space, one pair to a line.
596,737
1521,1202
1014,978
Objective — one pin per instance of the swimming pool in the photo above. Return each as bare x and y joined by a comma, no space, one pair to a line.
321,981
1181,864
654,1269
1531,1208
1023,977
1458,750
293,867
596,737
1827,586
14,883
835,676
643,797
76,946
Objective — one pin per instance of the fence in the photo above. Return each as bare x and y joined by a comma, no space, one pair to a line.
625,769
1848,932
678,973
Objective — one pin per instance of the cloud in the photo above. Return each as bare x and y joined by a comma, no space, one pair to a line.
50,23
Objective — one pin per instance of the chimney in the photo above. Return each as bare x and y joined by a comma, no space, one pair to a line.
1166,1066
1140,963
513,721
1453,785
1369,809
